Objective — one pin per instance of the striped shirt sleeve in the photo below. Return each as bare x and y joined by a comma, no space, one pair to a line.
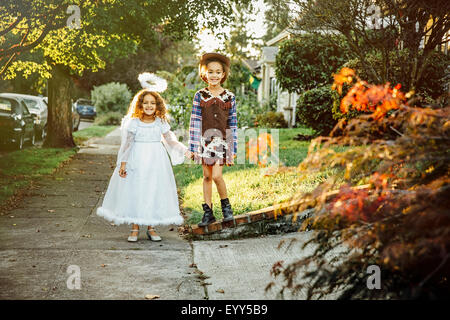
232,122
195,126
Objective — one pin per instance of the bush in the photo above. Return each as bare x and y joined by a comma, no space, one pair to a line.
109,119
111,97
387,204
248,108
308,61
271,119
432,83
314,109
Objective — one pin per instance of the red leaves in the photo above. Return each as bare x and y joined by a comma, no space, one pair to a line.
378,99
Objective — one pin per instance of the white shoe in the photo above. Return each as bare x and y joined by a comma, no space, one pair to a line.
153,238
133,238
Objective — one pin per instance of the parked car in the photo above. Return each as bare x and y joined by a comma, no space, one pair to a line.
17,124
86,109
37,106
75,116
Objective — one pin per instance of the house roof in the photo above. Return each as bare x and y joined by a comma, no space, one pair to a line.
269,54
251,64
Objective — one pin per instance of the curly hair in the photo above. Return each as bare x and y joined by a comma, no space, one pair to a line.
161,110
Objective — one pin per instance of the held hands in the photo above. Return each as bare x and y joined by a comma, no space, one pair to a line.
122,171
192,155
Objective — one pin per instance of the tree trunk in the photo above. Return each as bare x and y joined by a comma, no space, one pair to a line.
59,134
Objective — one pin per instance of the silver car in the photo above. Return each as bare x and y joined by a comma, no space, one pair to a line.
36,105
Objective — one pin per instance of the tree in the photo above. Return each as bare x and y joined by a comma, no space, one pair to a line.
276,16
381,26
240,37
309,60
109,29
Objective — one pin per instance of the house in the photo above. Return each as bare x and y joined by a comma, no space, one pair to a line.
269,87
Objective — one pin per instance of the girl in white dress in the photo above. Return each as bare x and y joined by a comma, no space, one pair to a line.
142,189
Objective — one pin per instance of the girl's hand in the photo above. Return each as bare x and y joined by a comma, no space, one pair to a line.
195,156
188,154
122,171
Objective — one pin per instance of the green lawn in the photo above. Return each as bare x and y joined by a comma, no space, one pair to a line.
247,188
93,131
19,168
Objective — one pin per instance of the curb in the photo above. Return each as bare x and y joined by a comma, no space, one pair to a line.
271,220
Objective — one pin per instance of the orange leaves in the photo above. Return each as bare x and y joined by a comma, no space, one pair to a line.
344,76
257,150
378,99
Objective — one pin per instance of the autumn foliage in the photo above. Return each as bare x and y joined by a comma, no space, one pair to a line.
388,206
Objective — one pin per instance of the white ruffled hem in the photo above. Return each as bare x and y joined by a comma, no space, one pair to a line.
108,215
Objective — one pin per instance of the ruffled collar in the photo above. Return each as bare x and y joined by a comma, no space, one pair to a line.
206,95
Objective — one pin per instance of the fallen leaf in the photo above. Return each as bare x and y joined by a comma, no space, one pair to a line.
37,230
11,216
192,265
103,265
14,224
220,291
113,224
171,229
223,246
51,210
86,235
151,296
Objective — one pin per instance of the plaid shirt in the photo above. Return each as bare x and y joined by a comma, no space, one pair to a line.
195,127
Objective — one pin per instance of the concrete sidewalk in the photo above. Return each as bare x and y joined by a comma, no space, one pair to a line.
56,227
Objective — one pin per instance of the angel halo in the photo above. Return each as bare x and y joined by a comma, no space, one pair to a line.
150,82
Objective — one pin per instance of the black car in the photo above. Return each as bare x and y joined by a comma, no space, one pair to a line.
17,124
85,109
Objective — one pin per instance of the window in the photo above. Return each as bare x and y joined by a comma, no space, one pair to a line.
32,104
25,109
273,86
5,105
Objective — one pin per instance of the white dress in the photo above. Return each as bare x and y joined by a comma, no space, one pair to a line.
148,194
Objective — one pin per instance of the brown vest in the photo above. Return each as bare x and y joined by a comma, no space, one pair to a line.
215,112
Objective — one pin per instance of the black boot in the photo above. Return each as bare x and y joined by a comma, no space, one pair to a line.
208,216
226,209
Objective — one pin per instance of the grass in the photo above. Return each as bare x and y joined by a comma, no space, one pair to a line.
93,131
247,188
19,168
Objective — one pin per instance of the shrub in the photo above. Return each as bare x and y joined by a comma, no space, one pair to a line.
308,61
314,109
112,96
432,83
271,119
109,119
248,108
387,206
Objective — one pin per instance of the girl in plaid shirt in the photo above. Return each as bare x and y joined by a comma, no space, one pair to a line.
213,131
